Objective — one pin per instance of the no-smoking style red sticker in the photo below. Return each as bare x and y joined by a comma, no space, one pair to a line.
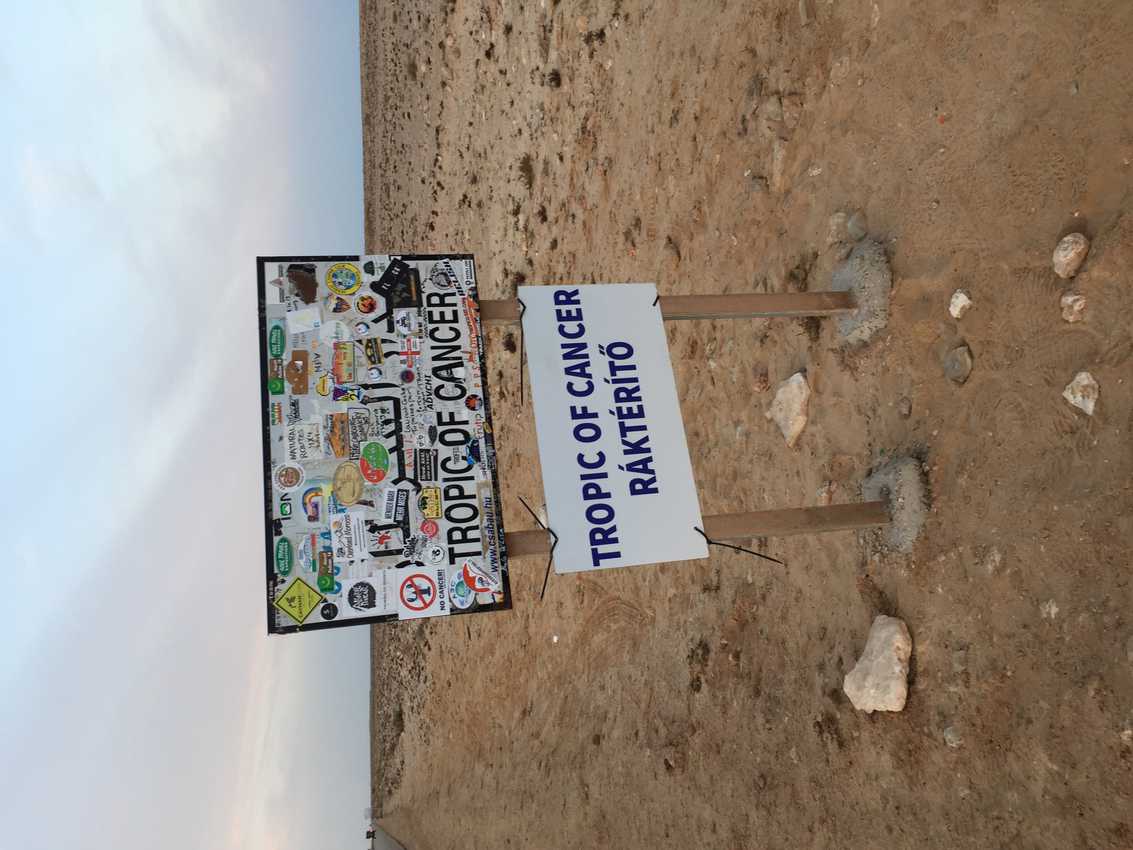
418,592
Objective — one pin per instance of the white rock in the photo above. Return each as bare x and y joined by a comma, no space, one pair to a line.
1069,254
960,304
1073,306
879,681
789,409
1083,392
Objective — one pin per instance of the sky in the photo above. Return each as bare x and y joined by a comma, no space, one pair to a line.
150,151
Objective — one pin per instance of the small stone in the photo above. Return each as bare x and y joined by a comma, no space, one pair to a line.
879,681
789,409
1083,392
1073,306
762,382
958,364
905,408
960,304
1069,254
953,738
838,230
856,226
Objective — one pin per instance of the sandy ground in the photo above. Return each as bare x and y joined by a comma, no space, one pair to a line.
705,146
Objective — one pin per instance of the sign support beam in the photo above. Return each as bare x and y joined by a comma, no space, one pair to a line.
726,528
740,306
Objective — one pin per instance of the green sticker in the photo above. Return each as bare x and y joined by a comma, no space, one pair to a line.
325,583
276,341
284,556
374,462
275,386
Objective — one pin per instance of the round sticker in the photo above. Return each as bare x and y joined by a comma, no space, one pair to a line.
375,373
362,596
366,304
324,383
337,304
329,611
374,462
407,376
361,329
332,332
435,553
417,592
275,386
459,593
288,477
430,528
472,402
344,278
348,483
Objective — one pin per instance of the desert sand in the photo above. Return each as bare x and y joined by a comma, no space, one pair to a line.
706,147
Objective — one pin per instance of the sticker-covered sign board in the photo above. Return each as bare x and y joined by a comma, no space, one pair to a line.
382,498
616,469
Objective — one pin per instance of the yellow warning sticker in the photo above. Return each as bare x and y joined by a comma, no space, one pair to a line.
298,600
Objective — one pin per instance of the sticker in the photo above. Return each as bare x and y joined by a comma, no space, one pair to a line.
304,319
362,596
407,376
337,304
373,595
333,332
296,372
343,278
435,553
284,556
310,548
288,477
421,593
338,434
425,463
313,503
489,530
276,386
472,402
472,452
361,329
283,508
303,282
374,462
304,442
429,502
348,483
459,593
298,600
294,414
410,351
329,611
477,579
323,384
405,322
348,394
366,304
430,528
348,537
442,276
343,368
277,340
373,351
328,571
276,411
400,284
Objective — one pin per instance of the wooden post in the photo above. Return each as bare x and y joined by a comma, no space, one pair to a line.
728,528
745,306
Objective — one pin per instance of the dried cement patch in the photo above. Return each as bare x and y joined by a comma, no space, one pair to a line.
901,482
866,274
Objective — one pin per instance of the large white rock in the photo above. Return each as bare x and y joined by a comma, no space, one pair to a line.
789,409
1083,392
879,681
960,304
1069,254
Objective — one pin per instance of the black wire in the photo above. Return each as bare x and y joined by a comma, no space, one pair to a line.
554,543
712,542
522,350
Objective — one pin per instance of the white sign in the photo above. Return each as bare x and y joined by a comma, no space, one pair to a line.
616,471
